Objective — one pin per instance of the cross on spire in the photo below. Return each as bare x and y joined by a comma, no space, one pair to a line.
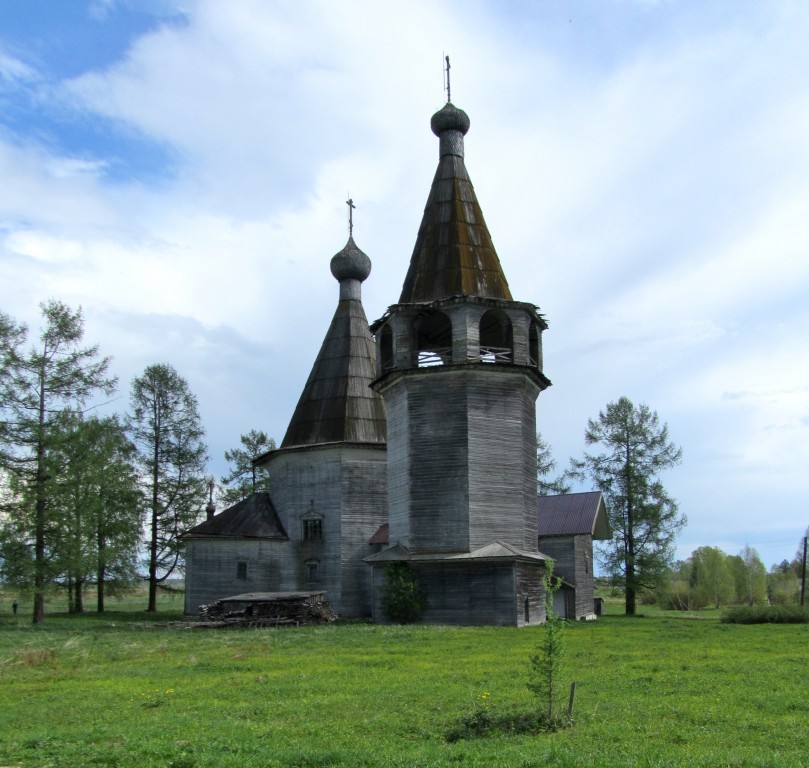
351,207
449,95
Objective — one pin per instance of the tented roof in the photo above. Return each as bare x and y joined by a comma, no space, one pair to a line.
454,254
337,404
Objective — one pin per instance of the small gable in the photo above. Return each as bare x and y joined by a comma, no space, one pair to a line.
571,514
251,518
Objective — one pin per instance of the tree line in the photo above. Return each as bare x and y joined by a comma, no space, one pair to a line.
88,499
628,450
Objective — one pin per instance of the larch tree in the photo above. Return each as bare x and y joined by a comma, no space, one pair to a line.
633,448
244,477
37,386
165,426
100,507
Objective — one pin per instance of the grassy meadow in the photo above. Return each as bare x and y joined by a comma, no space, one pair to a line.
131,689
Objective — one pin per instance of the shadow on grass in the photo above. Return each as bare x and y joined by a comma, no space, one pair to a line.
481,724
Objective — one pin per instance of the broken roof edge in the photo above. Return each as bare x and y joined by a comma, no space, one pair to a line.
462,299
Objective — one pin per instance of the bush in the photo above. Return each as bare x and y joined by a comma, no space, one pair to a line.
403,599
766,614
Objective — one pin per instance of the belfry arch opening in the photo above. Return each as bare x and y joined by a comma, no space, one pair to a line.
533,347
433,339
386,348
496,337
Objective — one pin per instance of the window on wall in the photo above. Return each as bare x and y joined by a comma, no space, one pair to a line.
312,530
241,570
311,570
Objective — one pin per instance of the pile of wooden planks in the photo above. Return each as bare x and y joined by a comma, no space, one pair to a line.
267,609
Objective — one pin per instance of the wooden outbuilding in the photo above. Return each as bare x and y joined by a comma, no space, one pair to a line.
567,525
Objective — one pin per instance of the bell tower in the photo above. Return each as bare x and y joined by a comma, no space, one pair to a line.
459,365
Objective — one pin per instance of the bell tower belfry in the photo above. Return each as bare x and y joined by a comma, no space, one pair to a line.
459,365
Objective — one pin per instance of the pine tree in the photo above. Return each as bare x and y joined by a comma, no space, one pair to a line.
244,477
546,464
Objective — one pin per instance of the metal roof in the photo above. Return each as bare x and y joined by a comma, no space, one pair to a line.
251,518
337,404
454,254
573,513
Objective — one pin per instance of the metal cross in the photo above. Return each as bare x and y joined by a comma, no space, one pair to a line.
351,207
449,96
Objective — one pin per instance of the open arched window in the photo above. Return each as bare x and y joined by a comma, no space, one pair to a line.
386,348
534,349
434,338
496,337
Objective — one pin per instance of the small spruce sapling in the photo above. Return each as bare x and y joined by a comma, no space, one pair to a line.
546,663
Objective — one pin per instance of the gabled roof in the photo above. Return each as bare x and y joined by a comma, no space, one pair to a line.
337,404
573,513
454,254
251,518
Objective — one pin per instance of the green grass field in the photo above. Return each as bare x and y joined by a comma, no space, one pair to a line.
126,690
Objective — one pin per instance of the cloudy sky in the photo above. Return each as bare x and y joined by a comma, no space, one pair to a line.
179,168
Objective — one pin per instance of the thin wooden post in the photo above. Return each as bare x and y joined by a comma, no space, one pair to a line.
803,573
570,703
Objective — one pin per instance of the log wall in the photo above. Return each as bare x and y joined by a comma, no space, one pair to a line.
573,561
462,458
470,594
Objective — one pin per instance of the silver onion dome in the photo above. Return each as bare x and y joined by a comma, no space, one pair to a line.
449,118
350,263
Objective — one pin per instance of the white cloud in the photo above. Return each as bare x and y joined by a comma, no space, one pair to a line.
645,183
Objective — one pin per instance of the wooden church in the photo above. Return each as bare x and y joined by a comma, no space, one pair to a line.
416,444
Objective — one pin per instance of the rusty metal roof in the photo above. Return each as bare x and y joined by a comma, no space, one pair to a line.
454,254
251,518
570,514
337,404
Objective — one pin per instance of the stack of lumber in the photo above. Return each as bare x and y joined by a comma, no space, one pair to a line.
267,609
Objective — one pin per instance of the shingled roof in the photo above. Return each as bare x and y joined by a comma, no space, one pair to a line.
337,404
573,513
454,254
251,518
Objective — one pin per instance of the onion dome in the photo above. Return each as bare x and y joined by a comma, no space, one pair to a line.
350,263
449,118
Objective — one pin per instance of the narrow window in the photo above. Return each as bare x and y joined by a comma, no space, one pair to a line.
241,570
312,530
311,570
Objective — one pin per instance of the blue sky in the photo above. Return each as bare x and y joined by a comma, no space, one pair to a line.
179,169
